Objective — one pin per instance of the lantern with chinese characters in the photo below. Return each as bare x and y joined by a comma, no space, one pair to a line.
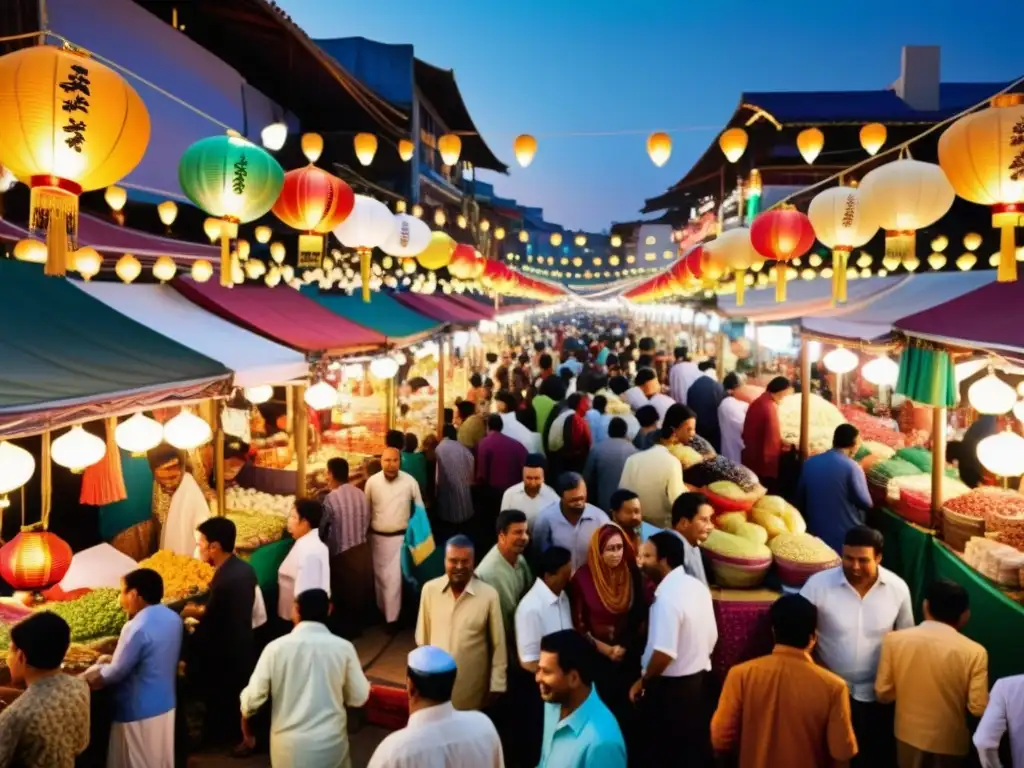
840,223
70,125
734,247
409,237
982,155
368,226
781,234
902,197
233,180
314,202
34,560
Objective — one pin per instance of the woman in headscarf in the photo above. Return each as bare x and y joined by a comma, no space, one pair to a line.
609,607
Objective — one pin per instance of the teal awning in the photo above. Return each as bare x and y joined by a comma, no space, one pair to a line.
383,314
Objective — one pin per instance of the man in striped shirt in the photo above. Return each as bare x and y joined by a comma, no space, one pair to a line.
455,476
343,529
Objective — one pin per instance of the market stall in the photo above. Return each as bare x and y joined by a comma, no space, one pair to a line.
400,324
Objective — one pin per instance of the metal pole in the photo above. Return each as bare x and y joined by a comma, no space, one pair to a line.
805,398
301,433
938,462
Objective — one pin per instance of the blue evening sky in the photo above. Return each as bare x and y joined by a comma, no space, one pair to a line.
572,66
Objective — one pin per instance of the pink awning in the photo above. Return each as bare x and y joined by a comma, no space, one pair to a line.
485,310
282,315
440,308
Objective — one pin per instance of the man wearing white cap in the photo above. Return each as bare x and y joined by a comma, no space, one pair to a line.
438,735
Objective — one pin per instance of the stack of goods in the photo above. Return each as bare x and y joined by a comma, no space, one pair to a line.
798,556
702,446
824,418
183,576
254,530
687,456
880,477
253,502
727,496
777,516
975,513
919,457
999,562
737,561
874,428
93,616
871,452
721,468
915,496
274,452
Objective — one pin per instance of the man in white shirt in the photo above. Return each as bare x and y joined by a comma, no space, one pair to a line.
438,735
681,375
1004,714
672,693
392,494
512,427
311,676
645,384
858,604
308,563
692,521
655,475
531,495
545,608
731,415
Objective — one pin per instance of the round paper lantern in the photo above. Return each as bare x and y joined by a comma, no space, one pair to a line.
16,468
321,396
138,434
616,241
902,197
659,148
72,125
450,147
365,145
409,237
128,268
274,136
314,202
32,251
556,239
1002,454
259,394
115,197
462,266
406,149
580,240
781,234
77,449
87,262
810,142
524,236
839,221
525,147
312,146
34,560
936,261
872,137
734,247
186,431
233,180
733,143
840,360
991,396
277,252
212,227
263,234
164,269
438,252
982,155
202,270
368,226
168,212
882,372
383,368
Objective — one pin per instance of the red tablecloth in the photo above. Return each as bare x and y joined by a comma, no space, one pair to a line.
744,631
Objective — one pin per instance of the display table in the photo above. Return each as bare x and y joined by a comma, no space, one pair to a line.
908,550
744,630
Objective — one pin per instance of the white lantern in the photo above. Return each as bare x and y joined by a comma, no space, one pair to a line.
259,394
991,396
1002,454
274,136
353,371
76,449
1018,410
369,226
882,372
321,396
187,431
409,237
16,468
383,368
840,360
841,223
138,434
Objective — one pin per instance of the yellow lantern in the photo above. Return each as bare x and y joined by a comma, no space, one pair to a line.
128,268
841,223
461,221
33,251
243,249
982,155
438,253
406,149
972,241
499,233
524,236
659,148
939,243
864,260
525,147
263,234
936,261
734,248
911,263
312,146
485,225
87,262
202,270
580,240
168,212
556,239
966,261
613,261
75,125
366,147
733,143
212,227
417,211
450,147
872,137
616,241
164,269
115,197
439,218
277,252
810,141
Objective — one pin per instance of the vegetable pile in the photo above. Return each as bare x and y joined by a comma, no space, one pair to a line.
92,616
777,516
803,548
250,500
917,489
686,455
731,545
874,429
183,576
254,530
824,418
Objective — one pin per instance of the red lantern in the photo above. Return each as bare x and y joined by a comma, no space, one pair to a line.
34,560
462,266
694,261
782,234
315,202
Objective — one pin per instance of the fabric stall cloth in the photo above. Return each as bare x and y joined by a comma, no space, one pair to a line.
421,559
744,630
103,482
927,376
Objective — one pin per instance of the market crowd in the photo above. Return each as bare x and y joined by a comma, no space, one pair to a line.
570,621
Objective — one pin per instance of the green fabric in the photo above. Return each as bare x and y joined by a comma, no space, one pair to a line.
415,464
60,344
266,561
137,507
907,553
510,583
383,314
542,407
927,376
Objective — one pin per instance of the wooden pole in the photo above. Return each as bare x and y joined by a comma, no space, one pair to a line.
938,462
301,434
441,373
805,398
218,460
389,406
723,340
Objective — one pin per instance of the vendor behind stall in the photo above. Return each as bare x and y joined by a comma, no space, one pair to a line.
236,456
186,504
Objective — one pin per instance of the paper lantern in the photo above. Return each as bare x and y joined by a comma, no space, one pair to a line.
77,449
734,247
991,396
1002,454
525,147
368,226
164,269
409,237
312,145
840,360
902,197
263,234
254,269
463,263
72,125
212,227
277,252
982,155
524,236
872,137
450,147
406,149
87,262
936,261
274,136
659,148
321,396
365,145
781,234
383,368
838,217
259,394
138,434
168,212
810,142
32,251
616,241
16,468
202,270
733,143
314,202
273,277
882,372
115,197
128,268
556,239
34,560
233,180
186,431
437,253
580,240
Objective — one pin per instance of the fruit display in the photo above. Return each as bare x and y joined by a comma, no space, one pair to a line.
92,616
874,429
798,556
737,524
702,446
777,516
254,530
736,561
251,501
183,576
687,456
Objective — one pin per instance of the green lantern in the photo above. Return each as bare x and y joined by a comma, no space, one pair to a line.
233,180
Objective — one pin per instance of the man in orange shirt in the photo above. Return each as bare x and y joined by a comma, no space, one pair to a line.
783,709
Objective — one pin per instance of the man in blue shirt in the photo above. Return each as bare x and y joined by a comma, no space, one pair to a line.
833,492
579,730
143,673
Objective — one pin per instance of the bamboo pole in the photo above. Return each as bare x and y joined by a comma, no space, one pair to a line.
301,435
720,356
938,462
389,406
805,398
441,373
218,461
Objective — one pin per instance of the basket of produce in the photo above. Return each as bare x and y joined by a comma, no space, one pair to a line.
824,418
915,497
184,577
736,561
1008,524
726,496
777,516
880,475
737,524
92,616
721,468
687,456
798,556
254,530
965,516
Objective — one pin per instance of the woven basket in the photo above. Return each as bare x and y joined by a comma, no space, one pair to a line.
957,528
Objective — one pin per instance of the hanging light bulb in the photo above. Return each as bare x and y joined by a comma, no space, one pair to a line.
187,431
840,360
138,434
263,234
366,147
128,268
312,146
524,236
1002,454
882,372
990,395
277,252
274,136
450,147
77,449
116,198
810,142
406,149
164,269
258,394
439,218
872,137
733,143
202,270
16,468
32,251
212,228
321,396
87,262
168,212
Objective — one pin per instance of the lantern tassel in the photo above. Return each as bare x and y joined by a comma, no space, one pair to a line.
364,272
840,258
741,276
226,262
55,212
1006,221
900,244
780,281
